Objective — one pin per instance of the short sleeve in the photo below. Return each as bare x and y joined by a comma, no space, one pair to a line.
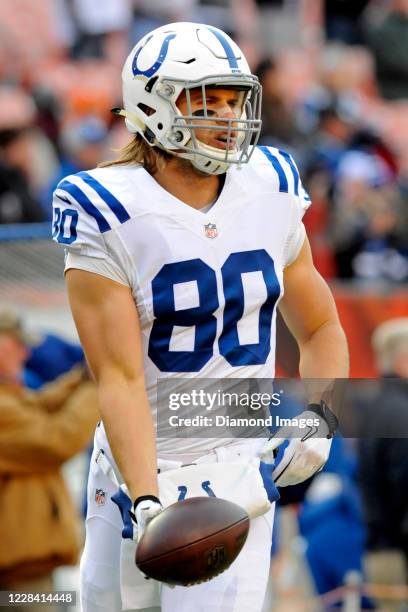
287,175
294,243
78,225
104,267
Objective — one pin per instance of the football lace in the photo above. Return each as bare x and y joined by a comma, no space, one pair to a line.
187,584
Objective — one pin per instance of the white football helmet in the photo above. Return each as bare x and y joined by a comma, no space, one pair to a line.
180,57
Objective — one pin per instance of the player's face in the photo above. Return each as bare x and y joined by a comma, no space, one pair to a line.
220,104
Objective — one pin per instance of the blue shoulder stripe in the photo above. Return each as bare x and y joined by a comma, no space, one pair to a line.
295,172
86,204
116,207
283,181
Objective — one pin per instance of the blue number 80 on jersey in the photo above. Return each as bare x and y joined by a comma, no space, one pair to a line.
64,225
202,316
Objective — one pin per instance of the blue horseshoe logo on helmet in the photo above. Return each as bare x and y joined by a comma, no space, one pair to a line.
162,56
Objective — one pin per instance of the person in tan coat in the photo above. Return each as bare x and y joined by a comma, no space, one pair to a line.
39,431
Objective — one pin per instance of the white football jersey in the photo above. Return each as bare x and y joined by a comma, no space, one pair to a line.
206,285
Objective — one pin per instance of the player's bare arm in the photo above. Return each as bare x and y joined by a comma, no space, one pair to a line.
309,311
108,326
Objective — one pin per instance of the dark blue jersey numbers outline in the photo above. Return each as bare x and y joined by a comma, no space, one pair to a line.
59,225
167,317
232,270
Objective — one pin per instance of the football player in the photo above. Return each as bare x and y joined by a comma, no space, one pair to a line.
178,255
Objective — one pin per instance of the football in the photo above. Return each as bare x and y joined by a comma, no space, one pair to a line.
192,541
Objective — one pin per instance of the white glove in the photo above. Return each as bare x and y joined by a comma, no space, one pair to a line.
145,508
309,445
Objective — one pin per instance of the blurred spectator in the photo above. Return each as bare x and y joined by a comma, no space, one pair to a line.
279,126
343,75
372,246
94,21
389,44
369,227
17,203
151,14
337,115
82,144
38,433
17,198
355,176
383,461
390,344
277,25
49,114
342,20
331,509
217,13
265,28
50,357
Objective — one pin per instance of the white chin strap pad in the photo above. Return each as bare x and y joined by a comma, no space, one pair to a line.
205,164
130,126
214,167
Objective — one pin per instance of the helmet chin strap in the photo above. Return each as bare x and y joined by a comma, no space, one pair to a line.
204,164
201,163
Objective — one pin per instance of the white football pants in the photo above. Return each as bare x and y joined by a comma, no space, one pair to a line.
241,588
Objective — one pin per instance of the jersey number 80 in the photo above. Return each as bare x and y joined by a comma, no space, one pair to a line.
202,316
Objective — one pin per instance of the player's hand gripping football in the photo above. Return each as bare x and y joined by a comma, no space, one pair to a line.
299,452
145,508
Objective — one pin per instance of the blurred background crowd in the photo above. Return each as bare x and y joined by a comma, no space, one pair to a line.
335,78
335,95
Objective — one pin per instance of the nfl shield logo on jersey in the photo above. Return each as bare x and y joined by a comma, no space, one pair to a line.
100,497
211,230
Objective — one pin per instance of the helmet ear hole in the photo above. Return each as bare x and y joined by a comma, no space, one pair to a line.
147,110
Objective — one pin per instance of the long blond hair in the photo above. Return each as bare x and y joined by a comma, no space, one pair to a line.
137,151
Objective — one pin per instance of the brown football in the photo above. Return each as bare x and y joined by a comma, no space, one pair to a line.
192,540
